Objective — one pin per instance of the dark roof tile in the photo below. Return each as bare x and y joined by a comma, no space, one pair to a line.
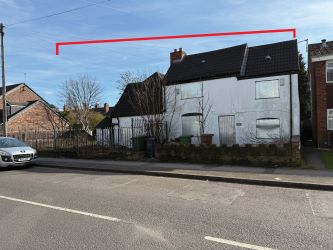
222,62
128,100
272,58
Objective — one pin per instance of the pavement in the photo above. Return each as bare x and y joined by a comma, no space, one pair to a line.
312,157
279,177
54,208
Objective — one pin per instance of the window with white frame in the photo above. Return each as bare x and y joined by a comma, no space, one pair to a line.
191,125
268,128
329,71
330,119
267,89
191,90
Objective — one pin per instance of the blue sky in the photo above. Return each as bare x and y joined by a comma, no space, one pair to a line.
30,47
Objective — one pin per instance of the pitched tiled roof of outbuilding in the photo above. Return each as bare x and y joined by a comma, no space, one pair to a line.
127,103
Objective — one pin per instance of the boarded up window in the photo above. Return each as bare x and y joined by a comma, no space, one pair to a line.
267,89
268,128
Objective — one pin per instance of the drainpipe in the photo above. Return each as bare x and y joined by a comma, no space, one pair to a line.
118,130
291,108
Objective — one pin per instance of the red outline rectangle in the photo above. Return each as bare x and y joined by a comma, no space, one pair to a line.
132,39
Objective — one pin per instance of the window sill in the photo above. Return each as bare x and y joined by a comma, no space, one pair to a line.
267,98
191,98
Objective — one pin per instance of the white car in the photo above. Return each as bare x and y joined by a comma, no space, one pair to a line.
15,153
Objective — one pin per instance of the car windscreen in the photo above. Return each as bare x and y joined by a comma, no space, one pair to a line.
11,143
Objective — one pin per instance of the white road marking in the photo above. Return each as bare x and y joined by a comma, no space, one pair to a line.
307,195
237,244
124,184
61,209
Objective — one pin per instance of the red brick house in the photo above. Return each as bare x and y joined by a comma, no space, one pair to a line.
28,111
320,70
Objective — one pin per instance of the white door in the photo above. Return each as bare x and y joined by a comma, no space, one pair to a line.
227,129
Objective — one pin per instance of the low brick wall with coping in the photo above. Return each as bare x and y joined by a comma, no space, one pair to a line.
96,153
256,155
265,155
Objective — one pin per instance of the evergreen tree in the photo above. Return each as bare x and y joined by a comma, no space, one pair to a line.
304,91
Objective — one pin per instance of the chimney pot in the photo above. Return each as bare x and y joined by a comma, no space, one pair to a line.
106,107
177,56
323,43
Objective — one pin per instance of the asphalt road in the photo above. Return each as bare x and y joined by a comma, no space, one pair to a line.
62,209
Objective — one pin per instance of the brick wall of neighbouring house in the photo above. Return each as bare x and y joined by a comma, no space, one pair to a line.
36,117
20,94
322,100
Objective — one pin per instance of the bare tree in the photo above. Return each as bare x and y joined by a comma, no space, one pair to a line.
250,137
130,77
205,108
79,96
56,121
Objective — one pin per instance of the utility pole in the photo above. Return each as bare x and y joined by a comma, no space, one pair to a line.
4,108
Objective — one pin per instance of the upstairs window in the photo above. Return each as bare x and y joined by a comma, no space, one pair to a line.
268,128
330,119
329,71
267,89
191,90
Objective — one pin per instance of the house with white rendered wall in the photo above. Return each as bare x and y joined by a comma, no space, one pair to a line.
240,95
128,117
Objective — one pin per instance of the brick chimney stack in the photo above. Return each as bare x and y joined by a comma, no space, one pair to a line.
177,55
96,106
106,107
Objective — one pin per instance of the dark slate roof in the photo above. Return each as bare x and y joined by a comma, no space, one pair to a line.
317,49
283,58
105,123
128,100
222,62
238,61
10,87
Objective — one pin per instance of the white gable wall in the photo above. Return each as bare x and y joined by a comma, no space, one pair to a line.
229,96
